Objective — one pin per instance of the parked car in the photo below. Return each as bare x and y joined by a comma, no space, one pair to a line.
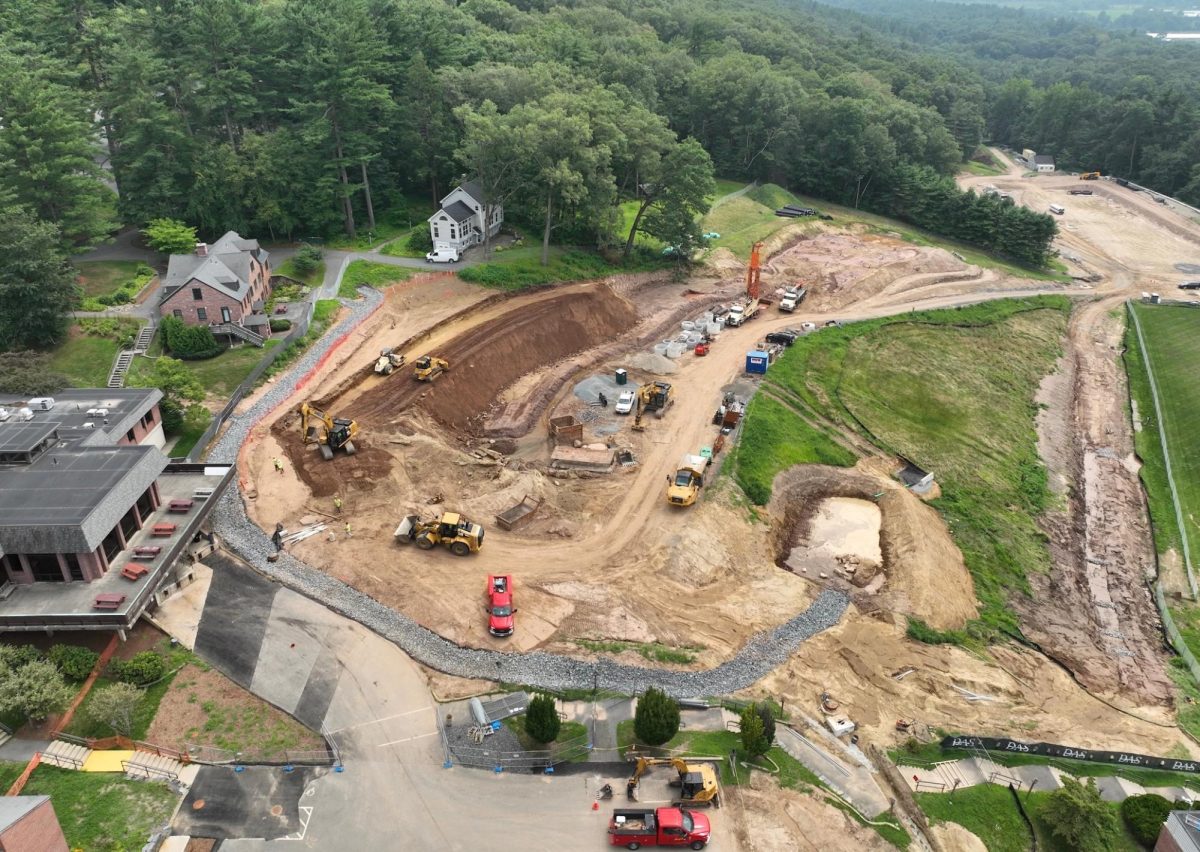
1190,285
500,604
624,402
444,254
785,338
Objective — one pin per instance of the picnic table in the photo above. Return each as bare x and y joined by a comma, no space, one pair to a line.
183,506
146,551
164,530
134,572
108,601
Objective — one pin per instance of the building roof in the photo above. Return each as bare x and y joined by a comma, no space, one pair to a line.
471,188
14,808
459,212
1043,160
225,267
1184,828
73,490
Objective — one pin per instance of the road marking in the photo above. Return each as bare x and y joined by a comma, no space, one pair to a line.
408,739
306,813
384,719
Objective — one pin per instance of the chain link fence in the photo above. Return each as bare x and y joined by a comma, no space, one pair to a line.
501,750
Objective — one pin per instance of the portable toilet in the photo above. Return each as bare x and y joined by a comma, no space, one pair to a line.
757,361
622,376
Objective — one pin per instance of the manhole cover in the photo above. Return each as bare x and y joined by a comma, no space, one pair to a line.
277,810
198,804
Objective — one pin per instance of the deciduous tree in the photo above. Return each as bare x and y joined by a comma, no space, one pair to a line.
115,706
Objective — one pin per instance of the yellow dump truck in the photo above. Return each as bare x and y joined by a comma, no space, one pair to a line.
684,487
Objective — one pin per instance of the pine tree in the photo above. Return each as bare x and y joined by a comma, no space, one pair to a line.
657,717
541,719
37,285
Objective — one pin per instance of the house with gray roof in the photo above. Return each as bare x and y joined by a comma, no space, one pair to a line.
464,218
223,286
91,508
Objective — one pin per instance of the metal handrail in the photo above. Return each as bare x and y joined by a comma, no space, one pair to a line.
934,786
129,765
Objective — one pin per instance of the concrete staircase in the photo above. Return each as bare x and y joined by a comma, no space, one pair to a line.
145,335
156,767
116,378
65,754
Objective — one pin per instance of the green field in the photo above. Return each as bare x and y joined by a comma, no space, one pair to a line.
398,247
87,355
366,273
288,269
102,812
521,267
916,386
102,277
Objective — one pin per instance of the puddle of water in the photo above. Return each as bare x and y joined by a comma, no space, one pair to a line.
847,526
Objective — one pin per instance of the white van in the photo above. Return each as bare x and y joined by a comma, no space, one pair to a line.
1057,210
443,253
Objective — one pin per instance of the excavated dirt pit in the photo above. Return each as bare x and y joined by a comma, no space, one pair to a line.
843,537
489,357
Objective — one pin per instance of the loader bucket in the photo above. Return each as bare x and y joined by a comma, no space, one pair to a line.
404,532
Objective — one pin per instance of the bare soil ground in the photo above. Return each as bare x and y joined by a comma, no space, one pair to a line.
605,557
785,820
206,708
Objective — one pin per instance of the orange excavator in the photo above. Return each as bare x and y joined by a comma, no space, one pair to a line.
754,271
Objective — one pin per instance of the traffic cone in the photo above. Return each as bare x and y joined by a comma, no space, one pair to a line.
595,806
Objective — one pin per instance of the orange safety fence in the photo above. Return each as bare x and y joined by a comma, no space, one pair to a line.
101,663
19,784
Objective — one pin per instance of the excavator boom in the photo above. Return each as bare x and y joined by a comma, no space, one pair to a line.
754,271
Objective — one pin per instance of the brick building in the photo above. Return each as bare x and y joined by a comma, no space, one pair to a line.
223,286
29,824
83,481
1180,833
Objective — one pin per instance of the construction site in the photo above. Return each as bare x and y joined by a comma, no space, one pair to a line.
574,440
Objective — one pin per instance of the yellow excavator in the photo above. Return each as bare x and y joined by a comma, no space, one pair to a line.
328,433
427,368
1090,176
697,781
655,397
451,530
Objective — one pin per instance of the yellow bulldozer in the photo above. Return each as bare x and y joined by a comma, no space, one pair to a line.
1090,176
655,397
697,781
328,433
427,368
451,530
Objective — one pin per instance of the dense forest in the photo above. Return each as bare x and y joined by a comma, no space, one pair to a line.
294,119
1119,102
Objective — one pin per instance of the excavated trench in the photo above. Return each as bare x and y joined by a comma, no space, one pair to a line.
489,357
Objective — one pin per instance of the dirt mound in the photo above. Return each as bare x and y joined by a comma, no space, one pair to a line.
924,573
490,356
340,475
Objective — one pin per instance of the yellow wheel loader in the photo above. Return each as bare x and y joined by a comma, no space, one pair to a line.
452,531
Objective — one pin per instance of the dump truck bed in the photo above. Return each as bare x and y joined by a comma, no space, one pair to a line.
519,514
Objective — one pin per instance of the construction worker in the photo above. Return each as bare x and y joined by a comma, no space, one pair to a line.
278,464
349,534
337,504
277,538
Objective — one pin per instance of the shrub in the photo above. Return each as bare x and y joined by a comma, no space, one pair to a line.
16,656
1145,815
541,719
35,690
189,342
307,259
74,661
768,720
141,669
657,717
420,240
115,706
278,325
754,741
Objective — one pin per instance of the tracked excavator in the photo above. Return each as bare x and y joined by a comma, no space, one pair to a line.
697,781
328,433
655,397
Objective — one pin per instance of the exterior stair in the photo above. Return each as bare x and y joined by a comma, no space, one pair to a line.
155,767
238,331
116,379
66,755
145,335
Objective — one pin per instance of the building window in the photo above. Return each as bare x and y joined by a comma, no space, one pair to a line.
129,524
197,294
225,316
145,504
178,314
111,545
451,232
129,436
436,233
201,314
73,566
45,567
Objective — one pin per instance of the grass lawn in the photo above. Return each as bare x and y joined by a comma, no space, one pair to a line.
288,268
915,386
986,810
567,732
365,273
103,812
102,277
368,239
521,267
220,376
9,772
86,358
399,246
725,186
773,439
653,651
981,169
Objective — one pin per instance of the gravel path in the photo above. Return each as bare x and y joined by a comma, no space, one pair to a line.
757,658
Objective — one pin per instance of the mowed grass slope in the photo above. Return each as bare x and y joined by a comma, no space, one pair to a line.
953,392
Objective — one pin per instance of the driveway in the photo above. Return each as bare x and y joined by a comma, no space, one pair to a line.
373,701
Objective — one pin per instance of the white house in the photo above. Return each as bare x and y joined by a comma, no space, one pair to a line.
1043,163
461,221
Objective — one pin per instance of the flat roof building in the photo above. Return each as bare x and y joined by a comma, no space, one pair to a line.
85,491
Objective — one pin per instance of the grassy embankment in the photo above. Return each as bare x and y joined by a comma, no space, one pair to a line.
366,273
521,267
87,355
743,221
914,385
1172,337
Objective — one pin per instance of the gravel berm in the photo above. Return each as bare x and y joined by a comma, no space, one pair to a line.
758,657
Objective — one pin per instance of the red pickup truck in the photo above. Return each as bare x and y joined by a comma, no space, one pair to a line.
634,829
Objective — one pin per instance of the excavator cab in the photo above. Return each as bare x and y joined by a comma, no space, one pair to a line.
328,433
